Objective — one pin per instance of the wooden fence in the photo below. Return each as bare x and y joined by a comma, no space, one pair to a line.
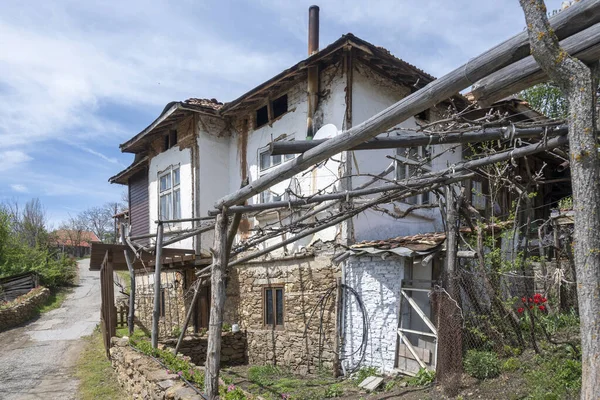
14,286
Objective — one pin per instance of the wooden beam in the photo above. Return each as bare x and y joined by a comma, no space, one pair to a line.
407,139
416,182
584,45
566,23
128,260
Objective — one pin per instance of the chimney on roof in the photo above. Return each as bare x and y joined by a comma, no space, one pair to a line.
313,30
313,71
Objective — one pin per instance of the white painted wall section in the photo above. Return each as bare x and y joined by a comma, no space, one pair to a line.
377,282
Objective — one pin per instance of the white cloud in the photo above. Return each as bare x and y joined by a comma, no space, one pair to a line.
19,188
11,159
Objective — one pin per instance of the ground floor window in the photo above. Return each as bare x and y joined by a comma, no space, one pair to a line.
273,306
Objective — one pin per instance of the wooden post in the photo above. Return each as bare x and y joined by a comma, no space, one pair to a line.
339,309
449,357
131,315
219,264
157,266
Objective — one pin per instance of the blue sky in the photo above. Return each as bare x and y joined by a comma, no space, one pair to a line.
77,78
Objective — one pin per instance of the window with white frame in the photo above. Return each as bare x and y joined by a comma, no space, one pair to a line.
478,199
410,163
266,162
169,194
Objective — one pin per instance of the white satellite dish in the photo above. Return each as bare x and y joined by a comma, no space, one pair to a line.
326,132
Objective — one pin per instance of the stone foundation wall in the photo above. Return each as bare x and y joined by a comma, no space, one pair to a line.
22,311
172,283
233,348
144,378
304,281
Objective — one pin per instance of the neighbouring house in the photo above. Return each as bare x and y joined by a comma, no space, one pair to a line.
77,243
198,150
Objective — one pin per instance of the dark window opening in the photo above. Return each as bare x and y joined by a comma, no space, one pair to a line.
170,140
262,116
280,106
273,306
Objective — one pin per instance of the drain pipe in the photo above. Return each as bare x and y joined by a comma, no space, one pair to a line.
313,70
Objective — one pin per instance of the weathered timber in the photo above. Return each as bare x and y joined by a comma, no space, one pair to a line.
128,259
215,327
416,182
14,286
315,211
584,45
157,272
379,200
566,23
421,139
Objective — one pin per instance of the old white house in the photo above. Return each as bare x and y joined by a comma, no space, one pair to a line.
198,150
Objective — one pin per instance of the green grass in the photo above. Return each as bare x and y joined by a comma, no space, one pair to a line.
98,380
57,297
272,382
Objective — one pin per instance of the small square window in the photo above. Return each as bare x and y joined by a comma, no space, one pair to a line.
262,116
280,106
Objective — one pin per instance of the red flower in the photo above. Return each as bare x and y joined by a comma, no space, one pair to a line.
520,310
531,307
530,299
536,300
542,308
544,300
524,299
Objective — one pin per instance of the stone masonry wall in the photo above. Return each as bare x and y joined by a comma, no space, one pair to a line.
144,378
304,281
377,282
233,348
172,283
22,311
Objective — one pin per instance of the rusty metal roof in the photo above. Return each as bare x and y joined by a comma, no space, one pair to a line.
420,242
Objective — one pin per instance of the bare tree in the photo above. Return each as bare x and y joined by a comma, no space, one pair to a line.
28,223
578,84
99,220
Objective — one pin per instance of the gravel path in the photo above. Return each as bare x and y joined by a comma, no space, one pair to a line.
37,360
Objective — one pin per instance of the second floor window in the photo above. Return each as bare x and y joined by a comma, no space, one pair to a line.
169,194
266,161
412,162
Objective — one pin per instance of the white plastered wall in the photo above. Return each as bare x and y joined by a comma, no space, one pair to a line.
172,157
372,94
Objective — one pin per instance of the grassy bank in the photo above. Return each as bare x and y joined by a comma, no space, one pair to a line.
97,379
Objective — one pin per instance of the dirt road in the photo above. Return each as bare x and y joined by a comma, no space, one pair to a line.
37,360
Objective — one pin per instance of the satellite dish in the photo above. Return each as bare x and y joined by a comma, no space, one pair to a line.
326,132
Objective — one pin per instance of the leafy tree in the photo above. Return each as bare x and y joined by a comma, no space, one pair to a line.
548,99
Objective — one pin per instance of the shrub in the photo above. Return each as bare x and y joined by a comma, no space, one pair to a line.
232,393
422,378
334,390
482,364
510,365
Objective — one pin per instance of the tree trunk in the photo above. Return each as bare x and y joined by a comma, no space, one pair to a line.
215,326
575,81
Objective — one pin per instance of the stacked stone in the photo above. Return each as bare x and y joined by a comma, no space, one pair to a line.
21,312
233,348
143,378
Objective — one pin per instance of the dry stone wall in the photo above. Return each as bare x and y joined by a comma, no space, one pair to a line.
233,348
22,311
143,378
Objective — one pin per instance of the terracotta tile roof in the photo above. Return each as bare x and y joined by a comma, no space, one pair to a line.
209,103
64,237
420,242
